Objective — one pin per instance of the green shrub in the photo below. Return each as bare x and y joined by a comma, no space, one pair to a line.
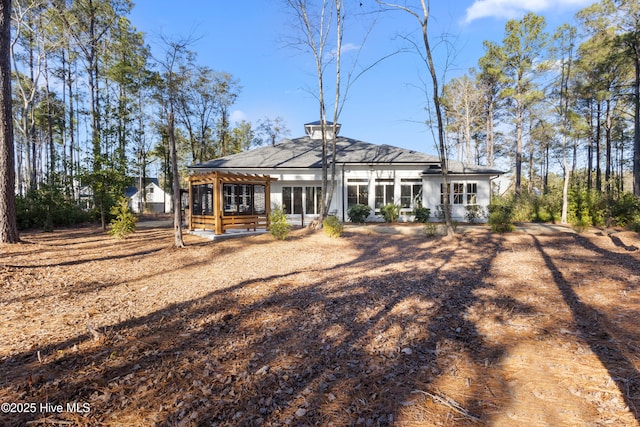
332,226
586,207
359,213
279,227
474,213
46,208
597,207
501,216
522,209
635,225
390,212
537,208
581,225
625,209
551,206
430,229
421,214
124,221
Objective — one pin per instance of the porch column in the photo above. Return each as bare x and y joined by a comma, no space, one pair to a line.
267,199
190,219
218,196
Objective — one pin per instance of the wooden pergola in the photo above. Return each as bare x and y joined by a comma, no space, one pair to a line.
220,201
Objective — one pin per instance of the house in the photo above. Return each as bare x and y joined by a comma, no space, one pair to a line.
153,199
365,174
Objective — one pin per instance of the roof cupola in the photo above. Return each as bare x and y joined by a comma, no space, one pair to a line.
314,129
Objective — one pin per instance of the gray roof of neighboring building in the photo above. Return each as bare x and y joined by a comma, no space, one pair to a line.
305,153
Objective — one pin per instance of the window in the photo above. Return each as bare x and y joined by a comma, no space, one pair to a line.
313,200
202,199
294,198
384,192
463,194
357,193
410,193
472,193
286,199
238,199
149,194
458,193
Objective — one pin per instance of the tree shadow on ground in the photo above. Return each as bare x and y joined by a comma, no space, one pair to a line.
619,243
594,326
349,345
87,251
103,250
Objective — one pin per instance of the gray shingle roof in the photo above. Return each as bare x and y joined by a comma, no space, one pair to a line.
305,153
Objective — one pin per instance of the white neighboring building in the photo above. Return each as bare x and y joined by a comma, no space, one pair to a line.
154,199
365,173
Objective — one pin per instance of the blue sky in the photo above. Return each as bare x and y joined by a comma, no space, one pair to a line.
250,39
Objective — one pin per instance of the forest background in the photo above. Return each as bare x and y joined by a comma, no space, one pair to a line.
91,106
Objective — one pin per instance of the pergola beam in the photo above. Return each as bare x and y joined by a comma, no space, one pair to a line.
218,219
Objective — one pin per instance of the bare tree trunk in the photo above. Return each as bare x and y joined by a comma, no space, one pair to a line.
441,141
636,118
8,223
317,47
490,136
597,148
174,53
336,106
423,20
590,149
607,160
519,119
52,148
177,205
467,132
531,153
565,184
71,126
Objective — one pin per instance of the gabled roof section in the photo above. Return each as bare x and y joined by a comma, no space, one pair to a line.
131,190
305,153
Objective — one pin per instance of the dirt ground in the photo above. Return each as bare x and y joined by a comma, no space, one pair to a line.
526,328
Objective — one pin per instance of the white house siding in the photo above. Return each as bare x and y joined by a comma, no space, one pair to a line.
302,194
482,197
156,200
389,179
372,176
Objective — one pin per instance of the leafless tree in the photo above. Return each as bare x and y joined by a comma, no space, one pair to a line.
322,28
421,14
175,52
316,22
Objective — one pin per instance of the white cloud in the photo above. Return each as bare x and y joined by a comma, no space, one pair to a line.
237,116
509,9
347,47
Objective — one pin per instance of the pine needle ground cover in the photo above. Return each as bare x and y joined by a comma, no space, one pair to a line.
366,329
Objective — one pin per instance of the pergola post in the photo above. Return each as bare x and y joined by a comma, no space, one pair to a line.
190,204
218,202
267,201
218,218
